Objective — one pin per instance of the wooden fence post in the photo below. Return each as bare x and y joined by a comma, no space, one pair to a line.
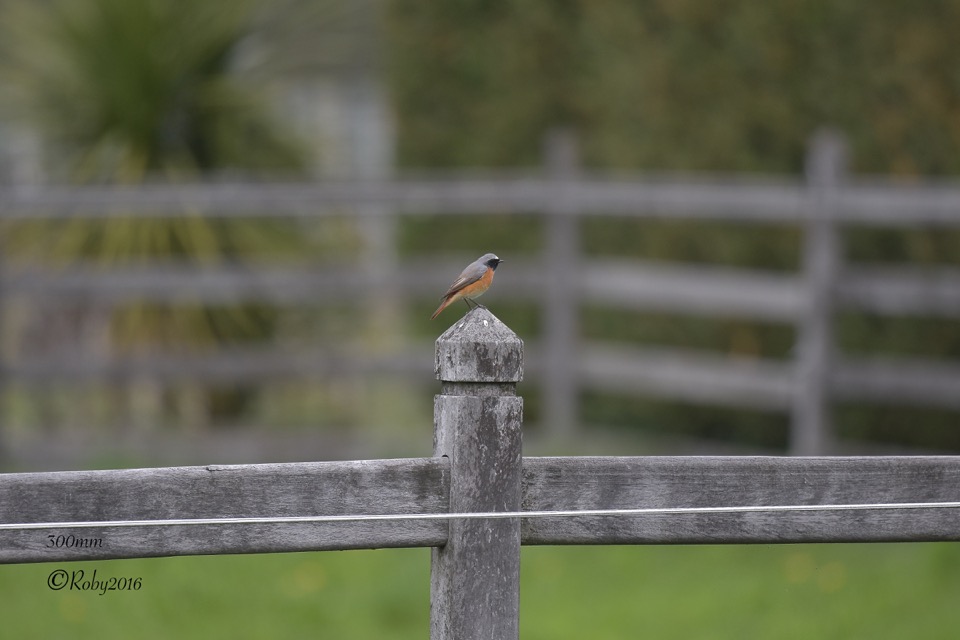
825,170
561,409
475,577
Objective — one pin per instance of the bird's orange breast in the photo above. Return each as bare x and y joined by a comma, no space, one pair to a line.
476,288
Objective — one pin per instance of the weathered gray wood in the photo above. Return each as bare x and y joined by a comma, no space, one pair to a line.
475,576
479,348
560,292
688,375
420,486
262,490
609,483
826,167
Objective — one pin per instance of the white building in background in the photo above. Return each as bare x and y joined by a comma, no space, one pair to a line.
322,63
319,62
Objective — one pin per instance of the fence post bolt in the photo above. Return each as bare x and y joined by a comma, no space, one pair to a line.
475,577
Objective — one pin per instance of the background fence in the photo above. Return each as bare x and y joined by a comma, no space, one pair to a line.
477,469
561,281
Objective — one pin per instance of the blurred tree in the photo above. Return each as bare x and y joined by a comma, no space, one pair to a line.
126,90
677,85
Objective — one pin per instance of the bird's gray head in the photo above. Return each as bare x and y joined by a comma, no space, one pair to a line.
491,260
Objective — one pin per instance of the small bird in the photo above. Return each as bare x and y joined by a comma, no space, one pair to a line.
471,283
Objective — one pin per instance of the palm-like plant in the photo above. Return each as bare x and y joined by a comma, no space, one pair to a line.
123,88
126,90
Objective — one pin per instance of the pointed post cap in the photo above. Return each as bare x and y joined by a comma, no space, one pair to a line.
479,348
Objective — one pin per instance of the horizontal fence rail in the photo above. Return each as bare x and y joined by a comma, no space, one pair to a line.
719,291
734,198
225,491
584,483
408,487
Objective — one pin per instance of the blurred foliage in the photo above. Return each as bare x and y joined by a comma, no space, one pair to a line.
898,426
513,234
740,337
920,246
124,89
709,242
122,92
915,337
674,419
676,85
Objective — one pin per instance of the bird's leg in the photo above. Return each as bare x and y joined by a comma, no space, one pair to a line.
468,301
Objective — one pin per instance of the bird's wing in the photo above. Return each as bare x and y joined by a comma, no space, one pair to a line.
469,275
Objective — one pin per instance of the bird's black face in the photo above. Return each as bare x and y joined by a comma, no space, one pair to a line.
493,263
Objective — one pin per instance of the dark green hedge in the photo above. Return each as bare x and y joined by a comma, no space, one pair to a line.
678,84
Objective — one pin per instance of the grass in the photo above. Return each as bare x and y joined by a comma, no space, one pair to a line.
714,592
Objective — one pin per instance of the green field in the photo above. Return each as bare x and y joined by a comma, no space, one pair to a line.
790,591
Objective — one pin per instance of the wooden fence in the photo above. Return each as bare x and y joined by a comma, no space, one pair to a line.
477,469
563,279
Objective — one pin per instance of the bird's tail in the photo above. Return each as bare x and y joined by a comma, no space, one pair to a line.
443,305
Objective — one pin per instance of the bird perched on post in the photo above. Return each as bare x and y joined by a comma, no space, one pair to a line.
472,282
